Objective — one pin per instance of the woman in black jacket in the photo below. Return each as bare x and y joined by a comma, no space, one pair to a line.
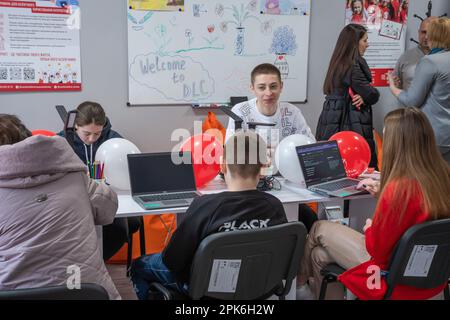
349,94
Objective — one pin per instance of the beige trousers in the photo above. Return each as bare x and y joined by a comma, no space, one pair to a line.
331,242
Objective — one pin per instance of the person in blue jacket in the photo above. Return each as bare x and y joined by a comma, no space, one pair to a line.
92,128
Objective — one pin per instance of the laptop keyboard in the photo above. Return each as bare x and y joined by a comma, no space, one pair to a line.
337,185
169,196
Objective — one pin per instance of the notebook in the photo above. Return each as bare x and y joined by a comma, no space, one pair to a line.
157,182
323,170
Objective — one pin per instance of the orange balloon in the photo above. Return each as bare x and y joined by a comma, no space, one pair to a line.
47,133
206,151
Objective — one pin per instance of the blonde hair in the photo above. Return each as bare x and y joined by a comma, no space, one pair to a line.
244,154
410,155
439,33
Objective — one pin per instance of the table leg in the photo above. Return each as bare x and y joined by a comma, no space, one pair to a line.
142,237
359,211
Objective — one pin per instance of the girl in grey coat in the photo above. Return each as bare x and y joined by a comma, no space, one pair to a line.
48,212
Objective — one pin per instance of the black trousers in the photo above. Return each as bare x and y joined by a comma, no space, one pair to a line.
118,233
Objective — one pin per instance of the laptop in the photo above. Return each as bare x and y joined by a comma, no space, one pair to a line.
157,182
323,170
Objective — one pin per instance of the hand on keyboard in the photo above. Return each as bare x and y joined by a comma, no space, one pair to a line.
370,185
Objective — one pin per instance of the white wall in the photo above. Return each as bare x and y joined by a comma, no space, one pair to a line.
104,76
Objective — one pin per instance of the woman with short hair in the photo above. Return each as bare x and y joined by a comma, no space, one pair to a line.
430,88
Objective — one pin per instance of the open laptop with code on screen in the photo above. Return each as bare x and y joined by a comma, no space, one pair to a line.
323,170
157,182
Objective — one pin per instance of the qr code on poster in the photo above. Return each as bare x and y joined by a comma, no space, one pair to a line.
15,74
3,74
28,74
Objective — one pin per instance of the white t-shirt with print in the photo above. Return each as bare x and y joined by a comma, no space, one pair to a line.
288,120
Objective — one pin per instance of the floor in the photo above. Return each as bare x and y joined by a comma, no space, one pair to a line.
123,284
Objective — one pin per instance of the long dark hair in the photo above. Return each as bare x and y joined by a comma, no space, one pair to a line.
344,55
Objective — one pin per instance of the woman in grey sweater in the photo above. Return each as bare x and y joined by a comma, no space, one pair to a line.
430,89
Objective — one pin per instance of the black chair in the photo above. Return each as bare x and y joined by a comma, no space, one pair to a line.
432,233
88,291
268,262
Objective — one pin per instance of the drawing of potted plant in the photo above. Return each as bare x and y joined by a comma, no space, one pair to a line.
240,16
283,43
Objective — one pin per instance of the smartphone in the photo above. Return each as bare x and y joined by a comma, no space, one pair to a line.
62,112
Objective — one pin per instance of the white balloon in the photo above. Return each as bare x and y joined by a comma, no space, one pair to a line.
286,158
113,153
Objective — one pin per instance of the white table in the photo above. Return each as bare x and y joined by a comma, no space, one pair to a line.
290,196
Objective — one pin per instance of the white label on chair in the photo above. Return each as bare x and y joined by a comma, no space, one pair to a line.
224,275
419,262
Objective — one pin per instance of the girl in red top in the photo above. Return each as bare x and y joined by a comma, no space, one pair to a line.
373,12
387,10
358,12
396,6
403,14
414,188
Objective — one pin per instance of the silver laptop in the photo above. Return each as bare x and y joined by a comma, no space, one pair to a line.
157,183
324,171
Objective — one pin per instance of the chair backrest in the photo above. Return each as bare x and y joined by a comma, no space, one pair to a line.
422,257
248,264
88,291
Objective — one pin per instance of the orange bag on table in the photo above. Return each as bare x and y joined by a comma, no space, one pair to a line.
157,236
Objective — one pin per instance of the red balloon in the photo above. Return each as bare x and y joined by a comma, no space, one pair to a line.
47,133
355,152
206,151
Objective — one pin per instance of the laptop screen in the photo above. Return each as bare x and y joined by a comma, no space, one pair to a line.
321,162
156,172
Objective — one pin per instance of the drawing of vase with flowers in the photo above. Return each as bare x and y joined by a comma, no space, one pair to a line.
240,15
283,44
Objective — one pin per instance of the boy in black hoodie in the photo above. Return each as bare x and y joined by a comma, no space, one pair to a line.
92,128
241,207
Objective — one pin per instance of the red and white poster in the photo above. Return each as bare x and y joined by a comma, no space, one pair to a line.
386,27
40,46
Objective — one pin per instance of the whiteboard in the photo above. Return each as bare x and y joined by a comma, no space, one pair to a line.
206,53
